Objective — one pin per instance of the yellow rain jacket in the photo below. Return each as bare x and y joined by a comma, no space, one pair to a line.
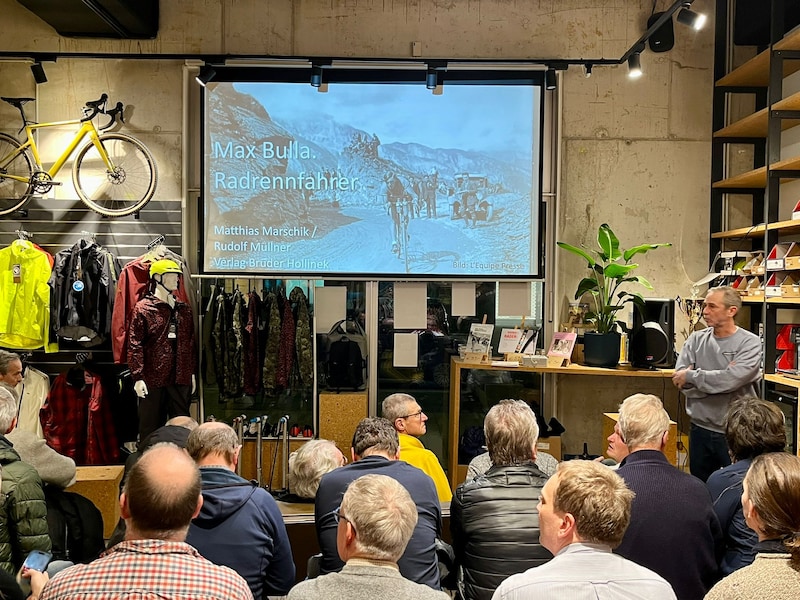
25,298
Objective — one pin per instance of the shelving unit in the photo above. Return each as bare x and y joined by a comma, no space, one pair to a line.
776,112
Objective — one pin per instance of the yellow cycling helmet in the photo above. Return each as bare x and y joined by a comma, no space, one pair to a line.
164,265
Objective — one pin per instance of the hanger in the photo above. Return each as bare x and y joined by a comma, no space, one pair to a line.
156,250
23,238
89,236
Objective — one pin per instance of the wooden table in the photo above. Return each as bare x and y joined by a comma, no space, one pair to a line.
457,364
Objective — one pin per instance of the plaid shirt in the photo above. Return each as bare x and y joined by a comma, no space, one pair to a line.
148,570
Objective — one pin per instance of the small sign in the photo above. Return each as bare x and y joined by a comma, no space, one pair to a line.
561,347
77,285
17,272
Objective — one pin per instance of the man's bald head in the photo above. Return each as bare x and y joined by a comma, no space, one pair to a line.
215,441
185,422
162,494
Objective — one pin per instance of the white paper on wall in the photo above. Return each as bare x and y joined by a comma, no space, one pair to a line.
411,305
405,350
514,299
330,306
463,299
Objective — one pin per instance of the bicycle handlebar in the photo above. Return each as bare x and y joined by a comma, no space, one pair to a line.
114,113
98,107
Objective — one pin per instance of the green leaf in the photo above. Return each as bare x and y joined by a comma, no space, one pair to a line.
579,251
587,284
642,249
608,242
618,271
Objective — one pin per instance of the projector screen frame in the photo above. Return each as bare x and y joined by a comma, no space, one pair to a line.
387,75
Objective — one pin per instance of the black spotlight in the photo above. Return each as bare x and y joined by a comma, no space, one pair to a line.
635,66
38,72
692,19
550,79
205,75
316,76
431,79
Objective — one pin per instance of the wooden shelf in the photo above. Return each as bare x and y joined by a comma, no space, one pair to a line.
755,72
786,301
755,231
792,226
757,178
756,124
752,180
782,379
752,299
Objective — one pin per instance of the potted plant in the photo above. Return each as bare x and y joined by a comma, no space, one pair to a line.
610,268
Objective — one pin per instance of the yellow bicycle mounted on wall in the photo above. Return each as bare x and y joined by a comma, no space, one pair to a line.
114,174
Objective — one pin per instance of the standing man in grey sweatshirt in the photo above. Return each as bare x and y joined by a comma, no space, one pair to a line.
716,366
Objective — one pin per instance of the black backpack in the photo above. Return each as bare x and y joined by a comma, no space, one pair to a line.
345,365
75,524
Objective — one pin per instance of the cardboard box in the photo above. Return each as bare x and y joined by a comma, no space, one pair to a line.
790,287
740,285
551,445
755,266
792,258
775,257
100,484
755,288
773,286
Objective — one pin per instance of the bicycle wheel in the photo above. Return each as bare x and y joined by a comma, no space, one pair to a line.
123,190
13,193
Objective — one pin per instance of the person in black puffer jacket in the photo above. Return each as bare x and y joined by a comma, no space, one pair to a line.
493,518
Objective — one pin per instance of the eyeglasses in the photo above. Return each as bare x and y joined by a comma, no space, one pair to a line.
337,516
416,414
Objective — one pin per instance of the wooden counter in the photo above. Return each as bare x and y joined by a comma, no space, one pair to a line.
457,364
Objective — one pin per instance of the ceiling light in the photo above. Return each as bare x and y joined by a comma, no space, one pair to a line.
206,74
587,70
550,79
38,72
431,79
692,19
635,66
316,76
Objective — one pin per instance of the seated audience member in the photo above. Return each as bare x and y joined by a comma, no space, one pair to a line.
752,427
584,510
407,417
23,514
493,518
376,451
375,520
545,462
617,450
307,465
10,369
240,525
673,529
53,468
160,497
175,431
771,501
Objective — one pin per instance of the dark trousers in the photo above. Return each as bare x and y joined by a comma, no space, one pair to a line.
708,451
162,404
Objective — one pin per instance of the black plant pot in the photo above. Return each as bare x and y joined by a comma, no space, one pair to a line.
601,349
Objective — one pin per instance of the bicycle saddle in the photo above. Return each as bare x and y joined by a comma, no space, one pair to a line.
17,102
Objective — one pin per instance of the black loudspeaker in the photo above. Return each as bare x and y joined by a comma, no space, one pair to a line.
647,349
649,346
663,38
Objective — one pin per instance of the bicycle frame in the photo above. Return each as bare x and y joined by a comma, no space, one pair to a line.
87,128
